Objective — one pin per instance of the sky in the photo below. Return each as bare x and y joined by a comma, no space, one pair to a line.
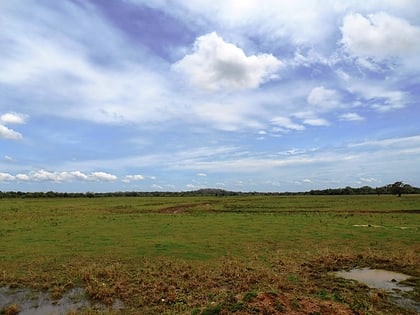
242,95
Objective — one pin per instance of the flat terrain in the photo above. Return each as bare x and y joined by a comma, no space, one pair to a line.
211,255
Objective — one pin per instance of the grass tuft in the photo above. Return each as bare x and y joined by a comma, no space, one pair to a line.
12,309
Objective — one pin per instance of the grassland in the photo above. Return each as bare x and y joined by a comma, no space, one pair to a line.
211,255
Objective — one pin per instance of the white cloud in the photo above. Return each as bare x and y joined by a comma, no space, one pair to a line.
285,123
391,100
310,58
65,176
8,158
368,180
405,142
298,22
102,176
343,75
311,118
351,117
54,67
316,122
9,134
78,175
22,177
95,80
379,36
43,175
388,106
256,163
4,177
343,163
201,174
12,118
323,99
216,64
156,186
380,96
130,178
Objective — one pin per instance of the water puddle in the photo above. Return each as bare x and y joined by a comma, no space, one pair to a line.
388,281
39,303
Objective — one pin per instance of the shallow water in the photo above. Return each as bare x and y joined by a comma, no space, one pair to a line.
377,279
388,281
38,303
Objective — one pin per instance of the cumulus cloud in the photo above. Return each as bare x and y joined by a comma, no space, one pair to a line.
22,177
323,99
311,118
43,175
102,176
351,117
9,134
216,64
65,176
4,177
13,118
130,178
379,36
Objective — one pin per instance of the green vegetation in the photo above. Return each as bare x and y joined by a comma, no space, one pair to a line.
211,255
397,188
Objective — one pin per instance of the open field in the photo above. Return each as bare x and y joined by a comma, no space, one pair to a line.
211,255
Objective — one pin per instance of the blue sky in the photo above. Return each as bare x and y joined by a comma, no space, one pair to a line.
180,95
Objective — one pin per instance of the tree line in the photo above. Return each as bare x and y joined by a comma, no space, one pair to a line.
397,188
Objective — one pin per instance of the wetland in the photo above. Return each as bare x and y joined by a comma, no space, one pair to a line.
208,255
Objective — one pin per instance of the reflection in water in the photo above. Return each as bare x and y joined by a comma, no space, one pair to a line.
388,281
38,303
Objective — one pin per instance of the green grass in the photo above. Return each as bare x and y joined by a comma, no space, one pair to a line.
49,243
133,227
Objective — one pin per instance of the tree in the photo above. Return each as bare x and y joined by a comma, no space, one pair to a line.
397,188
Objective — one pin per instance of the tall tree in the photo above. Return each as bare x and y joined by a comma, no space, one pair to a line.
397,188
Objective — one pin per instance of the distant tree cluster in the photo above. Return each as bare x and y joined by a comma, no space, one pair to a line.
397,188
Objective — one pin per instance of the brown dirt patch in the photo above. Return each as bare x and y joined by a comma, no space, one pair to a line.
177,209
185,208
